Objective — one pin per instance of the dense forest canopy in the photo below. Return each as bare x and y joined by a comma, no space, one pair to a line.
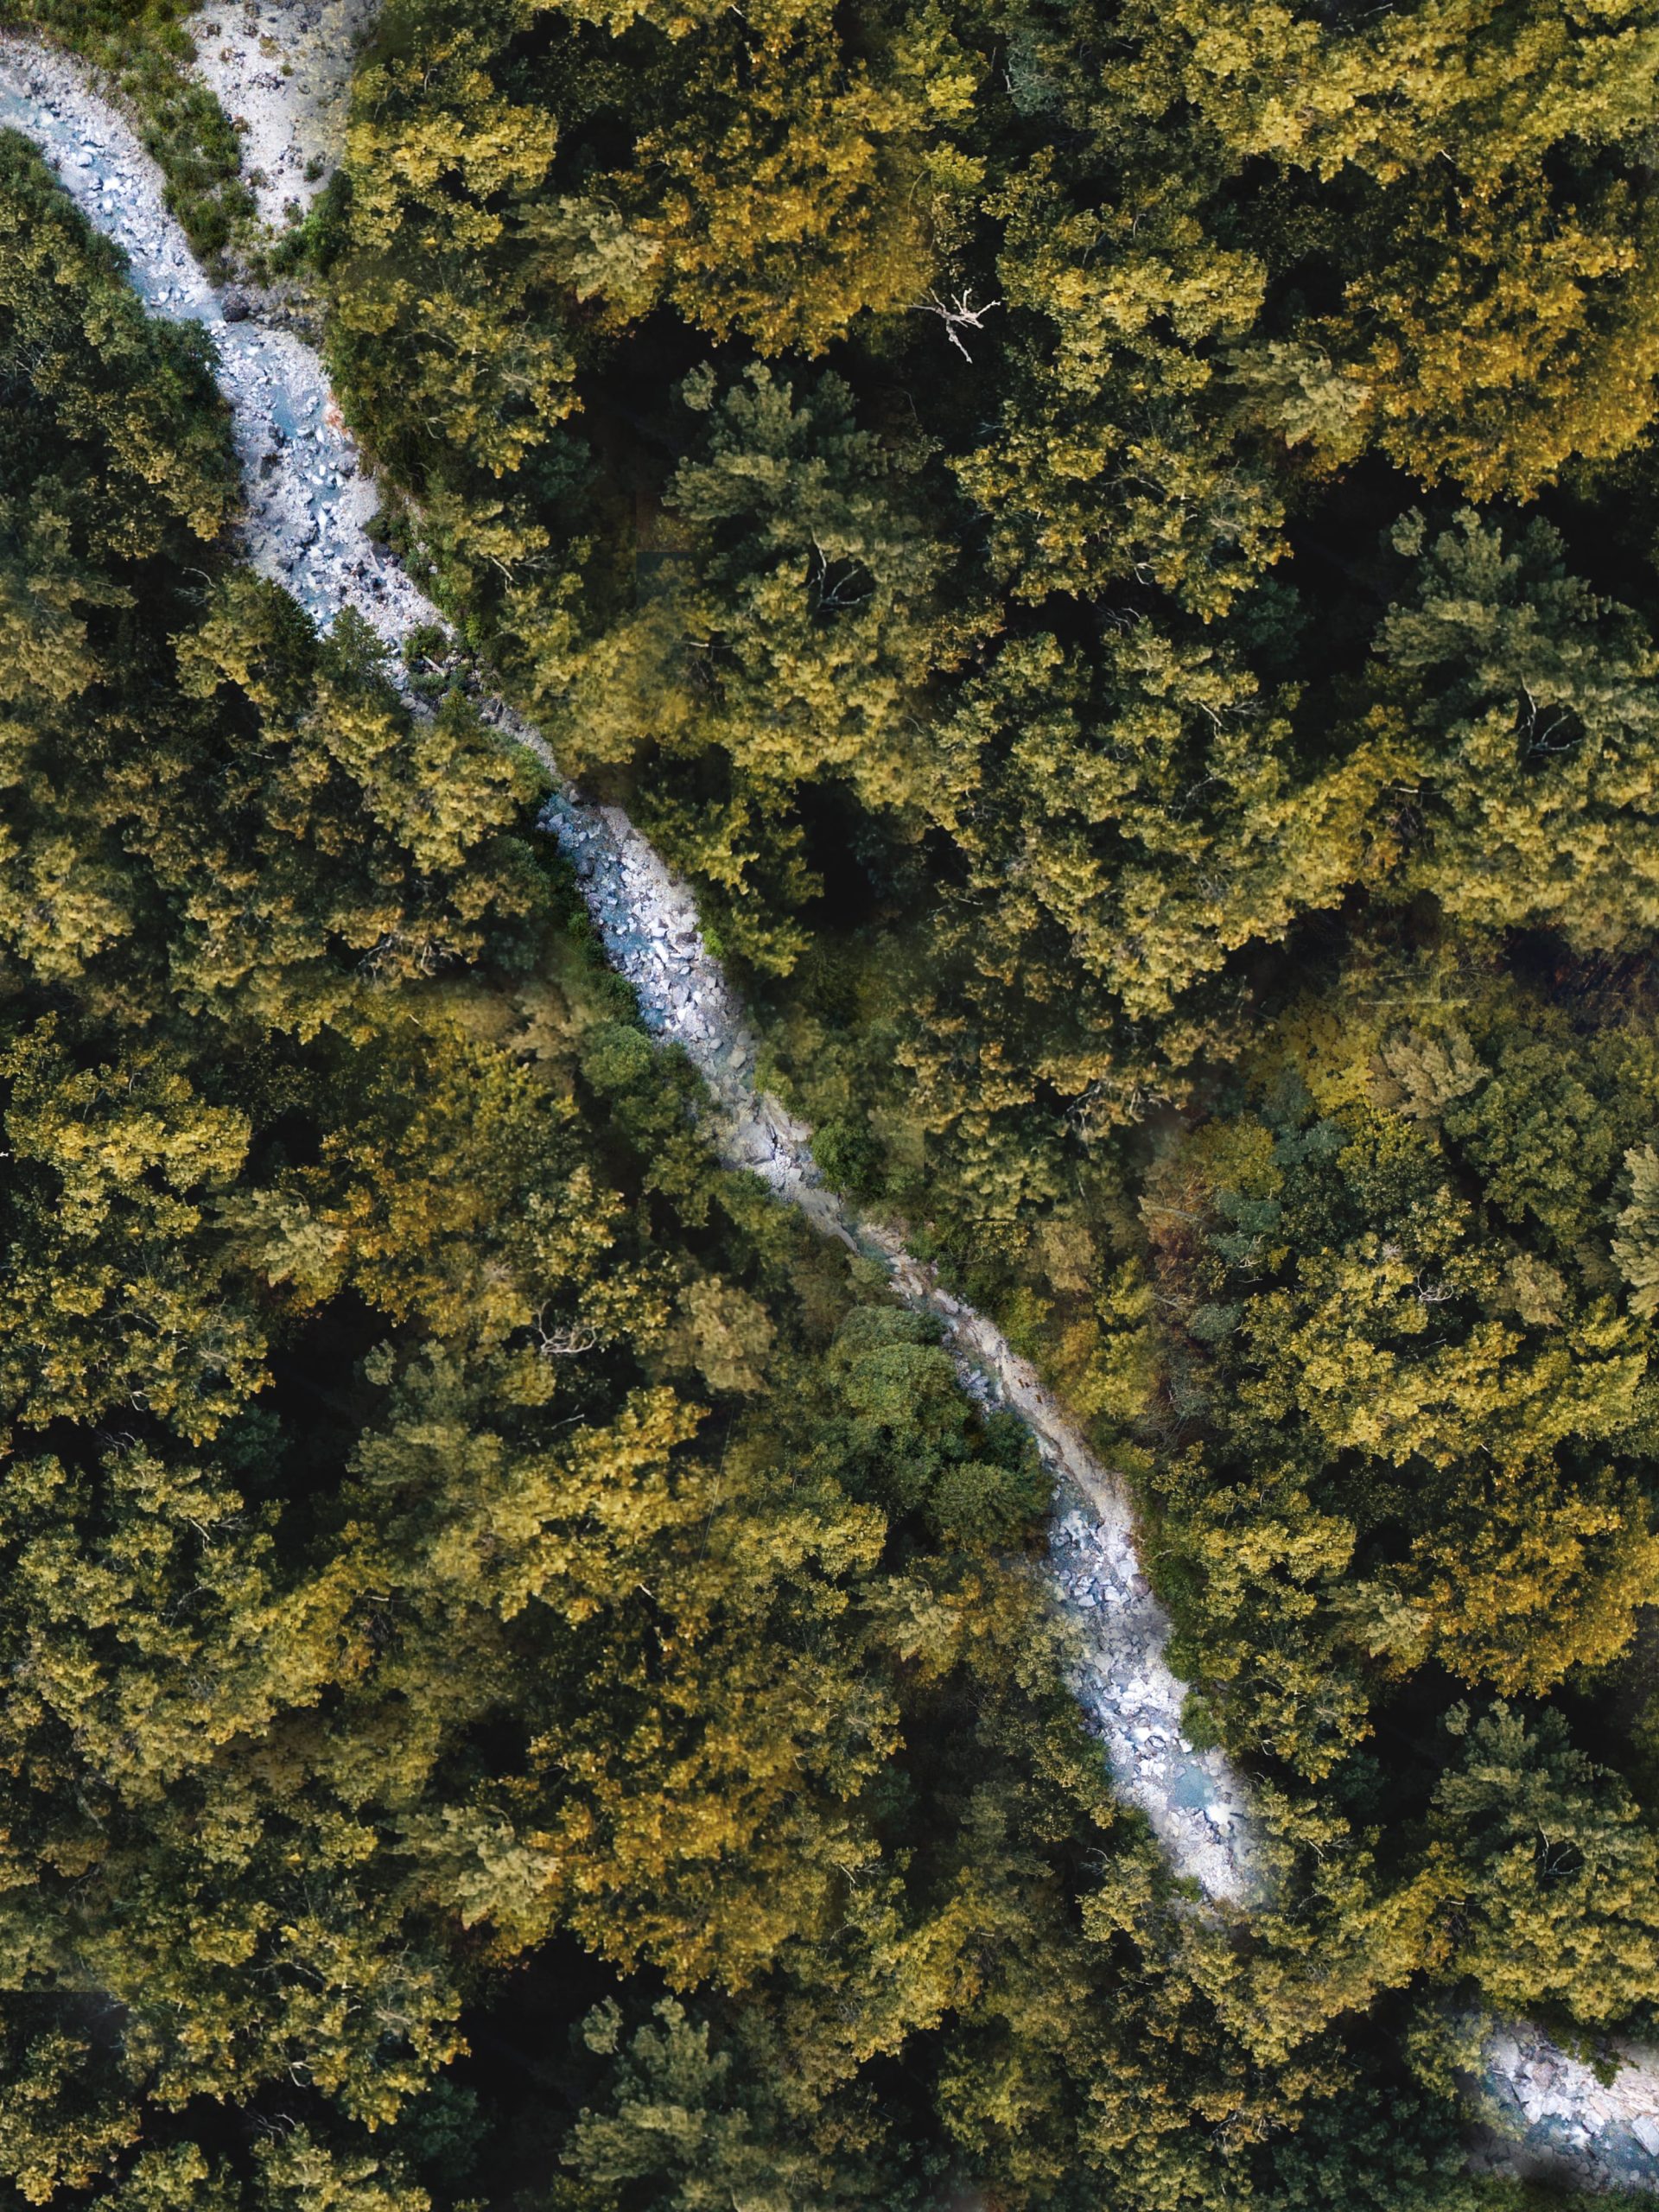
1115,545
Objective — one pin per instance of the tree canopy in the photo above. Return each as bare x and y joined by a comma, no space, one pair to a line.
1115,545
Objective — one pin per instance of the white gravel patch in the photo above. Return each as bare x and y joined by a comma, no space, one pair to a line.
281,73
1557,2122
106,173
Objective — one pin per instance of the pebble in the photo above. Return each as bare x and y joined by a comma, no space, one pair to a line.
295,121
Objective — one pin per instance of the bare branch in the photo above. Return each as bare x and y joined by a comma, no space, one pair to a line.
561,1342
957,315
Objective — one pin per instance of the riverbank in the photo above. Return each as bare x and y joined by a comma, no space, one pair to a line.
309,503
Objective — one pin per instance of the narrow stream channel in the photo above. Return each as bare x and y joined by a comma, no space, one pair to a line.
308,501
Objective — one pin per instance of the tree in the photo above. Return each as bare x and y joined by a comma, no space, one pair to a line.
1416,1435
1526,1818
1520,704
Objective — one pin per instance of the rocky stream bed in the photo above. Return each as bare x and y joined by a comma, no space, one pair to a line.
281,73
308,501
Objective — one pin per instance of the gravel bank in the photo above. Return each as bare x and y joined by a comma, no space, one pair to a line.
282,74
1552,2120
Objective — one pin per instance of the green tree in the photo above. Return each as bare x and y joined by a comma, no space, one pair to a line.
1518,704
1553,1872
1414,1435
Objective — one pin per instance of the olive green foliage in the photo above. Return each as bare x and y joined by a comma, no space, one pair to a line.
869,441
1114,543
1408,1329
1524,704
1399,1441
447,1522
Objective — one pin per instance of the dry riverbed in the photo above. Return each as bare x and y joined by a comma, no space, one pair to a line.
282,74
309,503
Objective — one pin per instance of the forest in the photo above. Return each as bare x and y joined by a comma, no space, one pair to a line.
1116,546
